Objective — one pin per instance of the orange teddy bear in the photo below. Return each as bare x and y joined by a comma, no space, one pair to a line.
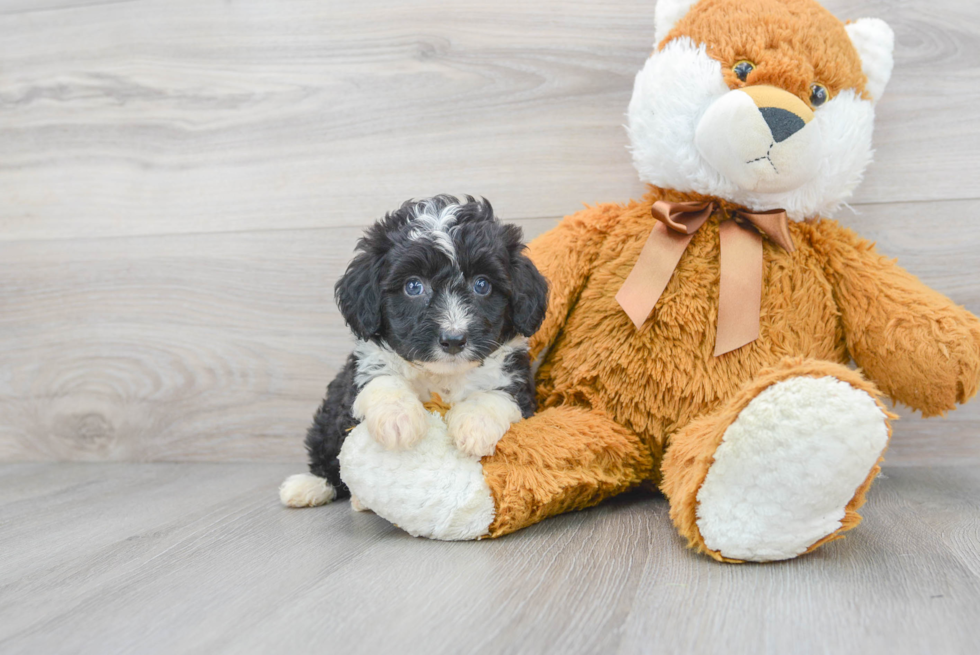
699,339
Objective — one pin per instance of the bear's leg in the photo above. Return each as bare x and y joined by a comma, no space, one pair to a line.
780,468
561,459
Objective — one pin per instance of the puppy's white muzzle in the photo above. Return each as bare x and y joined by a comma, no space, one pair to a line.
762,138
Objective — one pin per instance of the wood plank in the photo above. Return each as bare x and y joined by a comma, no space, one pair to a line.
177,116
218,347
212,564
187,116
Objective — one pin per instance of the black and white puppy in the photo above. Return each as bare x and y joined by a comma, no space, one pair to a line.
441,299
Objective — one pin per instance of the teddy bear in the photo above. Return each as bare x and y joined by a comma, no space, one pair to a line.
698,340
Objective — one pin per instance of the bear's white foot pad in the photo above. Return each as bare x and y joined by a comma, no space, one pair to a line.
787,467
306,490
430,490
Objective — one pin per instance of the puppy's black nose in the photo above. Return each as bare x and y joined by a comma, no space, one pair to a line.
452,342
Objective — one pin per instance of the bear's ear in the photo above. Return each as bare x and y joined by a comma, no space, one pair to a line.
874,42
666,15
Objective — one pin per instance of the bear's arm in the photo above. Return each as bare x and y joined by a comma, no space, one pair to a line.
915,343
565,255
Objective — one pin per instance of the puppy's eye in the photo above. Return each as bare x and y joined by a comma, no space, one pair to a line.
414,287
481,286
818,94
742,69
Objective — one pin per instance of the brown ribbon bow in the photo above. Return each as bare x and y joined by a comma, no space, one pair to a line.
740,286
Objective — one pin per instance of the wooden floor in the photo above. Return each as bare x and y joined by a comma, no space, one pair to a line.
200,558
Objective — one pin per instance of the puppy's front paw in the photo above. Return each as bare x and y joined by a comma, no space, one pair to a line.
478,423
398,424
474,434
393,414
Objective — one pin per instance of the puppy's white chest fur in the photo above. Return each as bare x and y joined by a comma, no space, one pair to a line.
393,391
453,383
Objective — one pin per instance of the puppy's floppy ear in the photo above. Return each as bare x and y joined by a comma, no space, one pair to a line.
529,294
358,295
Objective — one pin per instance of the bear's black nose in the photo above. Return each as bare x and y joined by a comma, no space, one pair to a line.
452,342
783,124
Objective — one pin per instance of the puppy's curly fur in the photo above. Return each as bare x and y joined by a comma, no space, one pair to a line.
441,299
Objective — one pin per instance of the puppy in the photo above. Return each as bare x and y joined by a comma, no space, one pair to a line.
441,300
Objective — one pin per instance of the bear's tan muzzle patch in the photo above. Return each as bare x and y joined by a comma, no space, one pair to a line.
766,97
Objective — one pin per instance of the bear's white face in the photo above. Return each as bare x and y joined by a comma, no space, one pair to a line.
761,138
756,146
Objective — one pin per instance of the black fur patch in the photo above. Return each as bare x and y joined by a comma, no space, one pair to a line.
518,366
331,423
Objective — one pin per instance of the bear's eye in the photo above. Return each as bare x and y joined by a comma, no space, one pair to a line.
481,286
742,69
414,287
818,94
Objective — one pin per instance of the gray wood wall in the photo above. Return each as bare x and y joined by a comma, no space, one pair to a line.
181,182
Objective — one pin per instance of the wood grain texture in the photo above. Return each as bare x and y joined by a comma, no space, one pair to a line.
181,182
200,558
156,117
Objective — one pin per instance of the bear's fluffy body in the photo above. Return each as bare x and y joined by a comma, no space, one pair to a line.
779,433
